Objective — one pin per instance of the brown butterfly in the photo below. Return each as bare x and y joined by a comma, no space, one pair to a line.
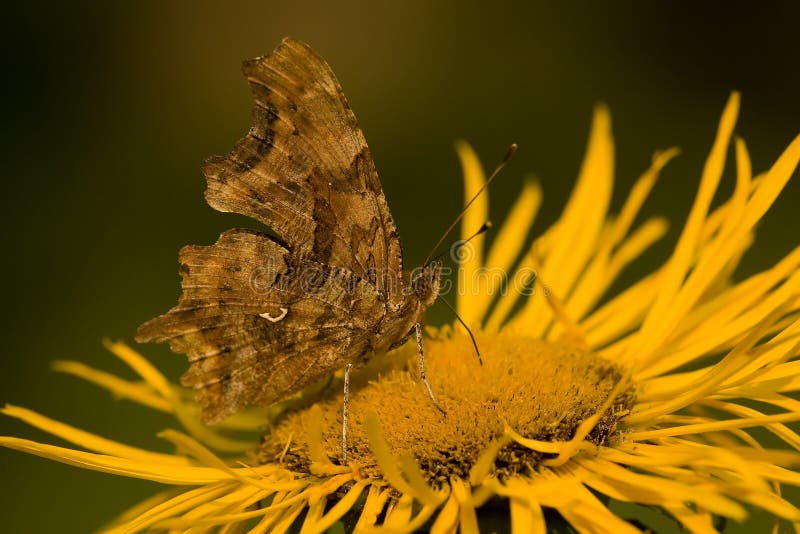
261,317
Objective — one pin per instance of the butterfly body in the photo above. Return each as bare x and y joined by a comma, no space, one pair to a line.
261,317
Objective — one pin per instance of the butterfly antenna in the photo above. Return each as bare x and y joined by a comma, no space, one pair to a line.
511,150
471,335
456,247
458,244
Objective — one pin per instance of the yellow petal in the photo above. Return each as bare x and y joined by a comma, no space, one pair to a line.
373,507
583,510
485,462
467,518
574,237
475,216
624,484
139,392
314,512
607,263
399,521
158,472
185,501
389,468
702,428
140,508
287,520
662,317
447,520
90,441
226,510
744,215
773,183
505,250
398,517
143,368
712,379
614,321
526,516
416,480
602,272
699,522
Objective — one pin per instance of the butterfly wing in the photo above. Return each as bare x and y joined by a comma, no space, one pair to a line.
259,324
305,171
258,318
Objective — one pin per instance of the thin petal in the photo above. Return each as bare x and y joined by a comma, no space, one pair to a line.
618,317
744,215
90,441
602,272
167,474
583,510
139,392
526,516
505,250
399,514
447,520
607,263
389,469
716,426
467,518
373,507
623,484
142,507
575,234
176,505
712,378
475,216
143,368
662,317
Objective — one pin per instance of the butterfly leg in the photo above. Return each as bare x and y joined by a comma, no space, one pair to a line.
418,332
345,408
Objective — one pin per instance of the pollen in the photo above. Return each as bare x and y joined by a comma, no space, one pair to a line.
537,389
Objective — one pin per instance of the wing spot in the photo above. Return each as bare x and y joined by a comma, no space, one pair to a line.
272,113
226,382
270,318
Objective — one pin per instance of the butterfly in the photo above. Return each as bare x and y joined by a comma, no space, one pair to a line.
263,315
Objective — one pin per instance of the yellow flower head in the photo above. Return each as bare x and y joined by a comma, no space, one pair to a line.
583,397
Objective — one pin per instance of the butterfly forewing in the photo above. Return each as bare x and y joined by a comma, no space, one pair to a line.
305,170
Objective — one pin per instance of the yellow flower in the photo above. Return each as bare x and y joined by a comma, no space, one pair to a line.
645,396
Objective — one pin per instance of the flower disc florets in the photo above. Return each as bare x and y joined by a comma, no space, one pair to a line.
537,389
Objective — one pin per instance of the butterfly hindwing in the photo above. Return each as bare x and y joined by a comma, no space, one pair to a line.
258,324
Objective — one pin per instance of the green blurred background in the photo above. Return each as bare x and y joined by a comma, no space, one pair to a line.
110,109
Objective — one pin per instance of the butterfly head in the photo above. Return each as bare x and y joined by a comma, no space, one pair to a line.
427,281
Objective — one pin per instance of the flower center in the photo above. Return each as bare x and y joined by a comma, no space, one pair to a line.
541,390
